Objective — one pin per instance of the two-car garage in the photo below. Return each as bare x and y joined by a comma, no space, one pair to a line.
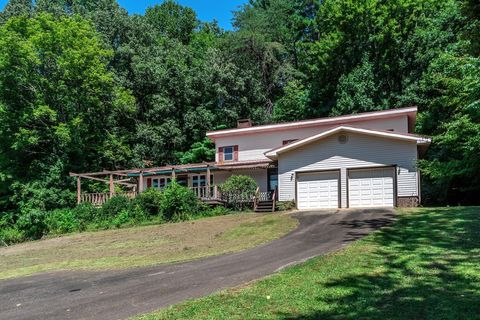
371,187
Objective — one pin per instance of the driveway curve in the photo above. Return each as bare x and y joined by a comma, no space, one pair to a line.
125,293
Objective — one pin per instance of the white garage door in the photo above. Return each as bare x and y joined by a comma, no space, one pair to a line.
370,188
317,190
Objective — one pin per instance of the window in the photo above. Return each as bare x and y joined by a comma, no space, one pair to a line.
155,183
288,141
200,181
228,153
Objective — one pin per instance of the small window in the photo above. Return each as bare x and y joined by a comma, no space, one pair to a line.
227,153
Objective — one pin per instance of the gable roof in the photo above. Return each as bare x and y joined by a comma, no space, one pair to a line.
273,154
340,120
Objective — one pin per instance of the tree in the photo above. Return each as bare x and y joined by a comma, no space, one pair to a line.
59,104
173,20
15,8
356,91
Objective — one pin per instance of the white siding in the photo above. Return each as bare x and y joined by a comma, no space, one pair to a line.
360,151
253,146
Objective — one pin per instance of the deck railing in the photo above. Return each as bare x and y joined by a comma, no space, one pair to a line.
207,193
98,199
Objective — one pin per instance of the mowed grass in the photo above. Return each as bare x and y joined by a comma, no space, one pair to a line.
143,246
425,266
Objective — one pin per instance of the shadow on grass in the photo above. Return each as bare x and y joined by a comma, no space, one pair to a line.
427,266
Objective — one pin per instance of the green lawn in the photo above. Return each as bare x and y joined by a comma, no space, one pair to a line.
143,246
426,266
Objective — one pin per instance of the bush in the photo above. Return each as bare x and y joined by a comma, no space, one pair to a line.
11,235
286,205
149,202
178,202
62,221
113,208
214,211
239,190
32,223
85,214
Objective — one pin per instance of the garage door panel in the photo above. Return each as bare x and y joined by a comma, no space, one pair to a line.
318,190
371,188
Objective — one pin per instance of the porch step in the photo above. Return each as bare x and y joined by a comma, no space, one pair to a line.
264,206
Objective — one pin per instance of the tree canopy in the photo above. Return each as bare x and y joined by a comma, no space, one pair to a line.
86,86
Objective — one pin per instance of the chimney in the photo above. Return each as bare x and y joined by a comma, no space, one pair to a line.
244,123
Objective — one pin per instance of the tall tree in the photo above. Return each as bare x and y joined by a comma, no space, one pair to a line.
59,106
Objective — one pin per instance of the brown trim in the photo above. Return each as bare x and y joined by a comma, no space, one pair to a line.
149,182
296,173
220,154
235,153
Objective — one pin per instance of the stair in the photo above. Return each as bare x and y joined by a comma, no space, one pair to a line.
265,206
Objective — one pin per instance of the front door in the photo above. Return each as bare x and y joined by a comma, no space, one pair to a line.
272,179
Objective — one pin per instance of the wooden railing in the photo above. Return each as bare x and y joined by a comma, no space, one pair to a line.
256,199
98,199
274,199
207,193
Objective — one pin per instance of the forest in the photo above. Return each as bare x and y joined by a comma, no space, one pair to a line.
84,86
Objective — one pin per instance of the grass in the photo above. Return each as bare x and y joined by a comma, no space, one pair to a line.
425,266
143,246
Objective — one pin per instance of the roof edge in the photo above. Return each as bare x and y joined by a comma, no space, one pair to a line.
312,122
273,154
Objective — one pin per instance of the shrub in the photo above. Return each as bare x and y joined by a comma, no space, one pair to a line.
285,205
214,211
178,202
11,235
85,214
239,190
149,202
32,223
113,207
62,221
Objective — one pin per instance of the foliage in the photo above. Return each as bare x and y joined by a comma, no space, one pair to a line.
62,221
200,151
113,207
239,190
32,224
85,87
149,202
11,235
286,205
179,202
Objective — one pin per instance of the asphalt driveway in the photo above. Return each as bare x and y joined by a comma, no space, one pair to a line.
121,294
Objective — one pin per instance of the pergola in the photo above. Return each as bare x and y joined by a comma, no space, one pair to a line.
125,178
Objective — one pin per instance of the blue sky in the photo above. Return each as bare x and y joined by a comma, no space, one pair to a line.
207,10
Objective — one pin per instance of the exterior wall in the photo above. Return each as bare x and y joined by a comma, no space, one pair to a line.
253,146
219,177
260,176
361,151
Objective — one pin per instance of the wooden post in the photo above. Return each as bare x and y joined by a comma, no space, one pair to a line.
140,182
209,191
79,190
112,186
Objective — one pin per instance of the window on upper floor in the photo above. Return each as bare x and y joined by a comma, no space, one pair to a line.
228,153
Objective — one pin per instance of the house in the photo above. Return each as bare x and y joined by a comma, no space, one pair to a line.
362,160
